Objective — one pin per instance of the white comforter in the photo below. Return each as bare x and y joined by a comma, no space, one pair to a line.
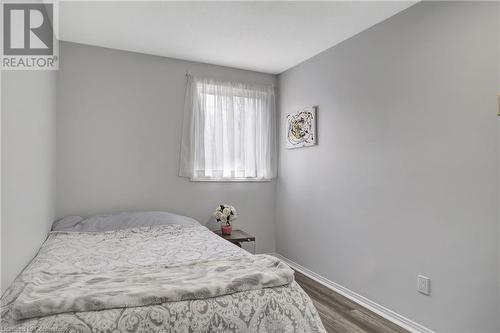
279,309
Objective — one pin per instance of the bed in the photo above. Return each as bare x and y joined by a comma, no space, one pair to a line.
62,289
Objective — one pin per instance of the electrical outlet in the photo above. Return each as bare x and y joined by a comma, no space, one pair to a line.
423,285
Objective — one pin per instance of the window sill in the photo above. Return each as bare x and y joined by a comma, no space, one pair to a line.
232,180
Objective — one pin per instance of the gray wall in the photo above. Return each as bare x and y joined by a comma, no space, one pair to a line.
119,123
28,162
404,180
498,121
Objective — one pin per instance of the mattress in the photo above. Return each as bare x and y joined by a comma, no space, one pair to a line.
285,308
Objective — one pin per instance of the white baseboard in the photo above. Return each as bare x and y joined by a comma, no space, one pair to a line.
363,301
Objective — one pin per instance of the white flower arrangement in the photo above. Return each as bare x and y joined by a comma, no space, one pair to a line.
225,214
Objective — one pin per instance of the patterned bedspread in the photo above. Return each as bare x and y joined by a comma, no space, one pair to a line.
279,309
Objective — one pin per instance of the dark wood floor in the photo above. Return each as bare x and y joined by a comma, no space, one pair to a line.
341,315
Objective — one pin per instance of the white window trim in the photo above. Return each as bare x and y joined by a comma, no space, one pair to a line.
232,180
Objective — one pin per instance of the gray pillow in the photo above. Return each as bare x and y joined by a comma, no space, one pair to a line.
67,223
122,221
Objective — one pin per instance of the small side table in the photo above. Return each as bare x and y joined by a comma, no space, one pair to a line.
237,237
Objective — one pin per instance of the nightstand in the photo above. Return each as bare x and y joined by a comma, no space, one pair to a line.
237,237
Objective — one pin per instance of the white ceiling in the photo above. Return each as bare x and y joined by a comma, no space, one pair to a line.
262,36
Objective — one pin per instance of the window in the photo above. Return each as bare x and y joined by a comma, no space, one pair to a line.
229,131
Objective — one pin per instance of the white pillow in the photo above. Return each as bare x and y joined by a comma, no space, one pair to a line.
121,221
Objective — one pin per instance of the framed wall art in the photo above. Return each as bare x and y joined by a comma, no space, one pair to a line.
301,128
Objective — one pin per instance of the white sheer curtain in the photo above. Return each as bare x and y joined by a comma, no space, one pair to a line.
229,131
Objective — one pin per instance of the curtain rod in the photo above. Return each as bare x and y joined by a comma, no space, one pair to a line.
189,74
